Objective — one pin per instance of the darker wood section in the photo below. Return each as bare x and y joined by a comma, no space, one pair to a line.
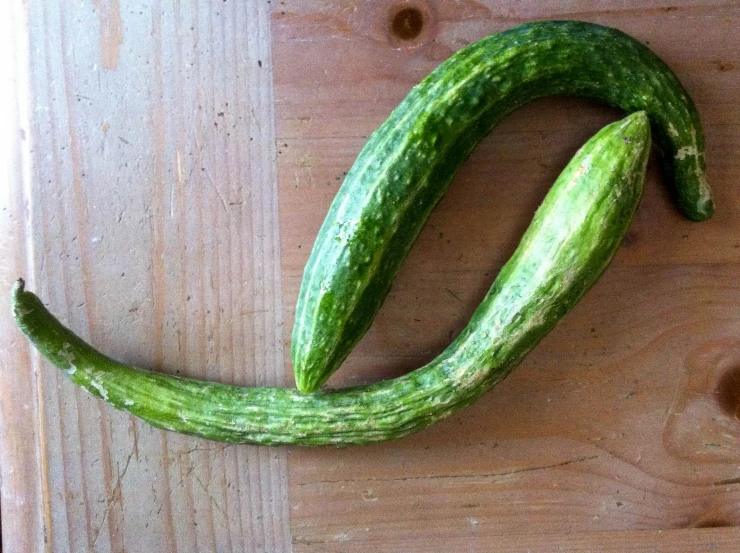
622,423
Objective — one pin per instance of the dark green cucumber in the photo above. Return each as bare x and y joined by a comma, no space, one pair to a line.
408,163
570,242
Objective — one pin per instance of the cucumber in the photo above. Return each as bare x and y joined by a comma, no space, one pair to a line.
408,163
571,240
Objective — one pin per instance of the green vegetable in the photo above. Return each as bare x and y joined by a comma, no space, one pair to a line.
408,163
570,242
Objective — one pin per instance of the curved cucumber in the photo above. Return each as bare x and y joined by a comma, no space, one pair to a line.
571,240
408,163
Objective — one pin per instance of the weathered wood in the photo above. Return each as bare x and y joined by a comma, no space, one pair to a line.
20,492
150,218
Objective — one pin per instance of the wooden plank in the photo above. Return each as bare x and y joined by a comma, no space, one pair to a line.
133,93
717,540
150,215
625,418
20,488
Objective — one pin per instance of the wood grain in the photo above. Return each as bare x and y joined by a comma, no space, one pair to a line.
671,541
20,491
616,423
146,154
148,220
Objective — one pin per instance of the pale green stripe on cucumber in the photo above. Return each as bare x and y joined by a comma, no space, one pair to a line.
570,242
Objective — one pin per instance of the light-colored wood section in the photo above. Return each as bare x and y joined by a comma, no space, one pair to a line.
21,516
624,422
147,220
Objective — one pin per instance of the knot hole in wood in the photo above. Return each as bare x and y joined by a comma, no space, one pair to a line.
409,23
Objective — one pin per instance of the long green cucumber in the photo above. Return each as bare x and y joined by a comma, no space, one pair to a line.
408,163
570,242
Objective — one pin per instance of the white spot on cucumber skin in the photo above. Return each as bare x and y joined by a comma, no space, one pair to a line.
704,189
686,151
65,354
22,311
672,130
101,390
128,402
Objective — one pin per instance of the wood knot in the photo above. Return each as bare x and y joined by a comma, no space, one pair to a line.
727,393
407,23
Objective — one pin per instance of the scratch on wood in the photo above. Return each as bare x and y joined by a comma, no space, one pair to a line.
210,496
218,449
115,497
135,433
218,192
451,293
180,182
455,476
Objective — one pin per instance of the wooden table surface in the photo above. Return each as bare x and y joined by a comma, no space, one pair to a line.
170,164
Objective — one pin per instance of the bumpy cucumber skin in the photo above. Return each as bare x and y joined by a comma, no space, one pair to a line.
571,240
408,163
